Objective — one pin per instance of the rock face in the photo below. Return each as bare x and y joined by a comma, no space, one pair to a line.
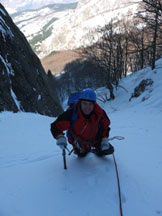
24,85
143,85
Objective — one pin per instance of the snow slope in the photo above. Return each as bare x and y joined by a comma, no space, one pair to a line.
33,181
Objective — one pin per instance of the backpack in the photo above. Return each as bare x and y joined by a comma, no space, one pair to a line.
72,101
73,98
73,119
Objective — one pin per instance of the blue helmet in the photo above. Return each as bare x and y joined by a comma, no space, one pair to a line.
73,98
88,94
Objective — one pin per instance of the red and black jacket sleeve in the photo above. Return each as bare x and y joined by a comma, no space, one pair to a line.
105,123
104,126
62,123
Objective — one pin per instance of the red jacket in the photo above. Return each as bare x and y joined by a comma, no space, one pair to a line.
91,128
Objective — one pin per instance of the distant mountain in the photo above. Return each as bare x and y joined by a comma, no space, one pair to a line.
24,85
21,5
37,25
49,29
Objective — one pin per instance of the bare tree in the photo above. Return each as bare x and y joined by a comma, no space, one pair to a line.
151,15
106,53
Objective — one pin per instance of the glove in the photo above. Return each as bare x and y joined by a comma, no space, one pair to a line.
61,142
105,145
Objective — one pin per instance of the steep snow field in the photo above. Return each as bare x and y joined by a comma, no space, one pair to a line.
34,182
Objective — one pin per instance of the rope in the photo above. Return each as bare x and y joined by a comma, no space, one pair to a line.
111,138
117,174
119,192
116,137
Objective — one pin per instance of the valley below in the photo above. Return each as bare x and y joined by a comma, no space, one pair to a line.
57,61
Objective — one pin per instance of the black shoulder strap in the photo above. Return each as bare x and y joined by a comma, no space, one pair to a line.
74,115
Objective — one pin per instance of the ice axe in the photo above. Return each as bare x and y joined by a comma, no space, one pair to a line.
64,156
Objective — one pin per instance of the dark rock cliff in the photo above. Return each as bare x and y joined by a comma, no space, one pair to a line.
24,85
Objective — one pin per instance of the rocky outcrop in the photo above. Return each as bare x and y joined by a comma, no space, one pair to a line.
141,88
24,85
